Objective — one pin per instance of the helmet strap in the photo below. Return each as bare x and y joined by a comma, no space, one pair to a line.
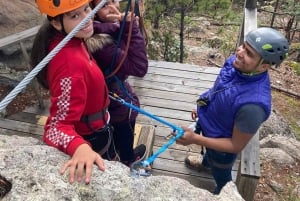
260,62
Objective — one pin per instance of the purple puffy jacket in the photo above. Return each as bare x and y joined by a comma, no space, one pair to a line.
103,47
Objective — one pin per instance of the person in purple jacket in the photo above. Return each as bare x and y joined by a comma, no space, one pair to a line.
117,63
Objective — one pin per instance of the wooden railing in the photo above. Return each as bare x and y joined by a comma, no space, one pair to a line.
19,38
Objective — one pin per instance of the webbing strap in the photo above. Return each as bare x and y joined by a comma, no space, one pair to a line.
105,149
94,117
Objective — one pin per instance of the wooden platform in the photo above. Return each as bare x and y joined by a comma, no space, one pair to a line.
169,91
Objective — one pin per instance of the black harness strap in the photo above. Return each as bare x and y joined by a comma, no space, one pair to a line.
106,130
105,149
94,117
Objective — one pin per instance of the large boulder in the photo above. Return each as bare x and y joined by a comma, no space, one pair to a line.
33,169
16,16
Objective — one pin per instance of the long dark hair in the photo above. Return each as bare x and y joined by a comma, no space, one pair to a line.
40,49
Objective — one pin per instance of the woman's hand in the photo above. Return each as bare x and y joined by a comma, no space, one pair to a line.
81,164
128,17
114,15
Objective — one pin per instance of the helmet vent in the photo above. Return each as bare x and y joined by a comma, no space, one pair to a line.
56,3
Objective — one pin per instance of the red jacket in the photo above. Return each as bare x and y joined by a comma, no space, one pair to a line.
77,88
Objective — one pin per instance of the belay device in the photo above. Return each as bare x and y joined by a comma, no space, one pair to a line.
142,168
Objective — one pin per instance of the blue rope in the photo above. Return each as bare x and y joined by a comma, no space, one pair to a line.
175,128
150,160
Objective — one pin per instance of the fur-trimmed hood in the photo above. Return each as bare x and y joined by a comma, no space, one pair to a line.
98,41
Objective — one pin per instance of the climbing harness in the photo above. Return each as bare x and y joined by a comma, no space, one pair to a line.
43,63
143,168
88,119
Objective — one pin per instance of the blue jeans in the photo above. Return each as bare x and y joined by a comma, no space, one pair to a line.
221,165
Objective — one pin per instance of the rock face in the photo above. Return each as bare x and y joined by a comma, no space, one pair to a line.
16,16
33,169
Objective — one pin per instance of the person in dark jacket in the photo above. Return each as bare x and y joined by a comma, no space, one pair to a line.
230,113
117,63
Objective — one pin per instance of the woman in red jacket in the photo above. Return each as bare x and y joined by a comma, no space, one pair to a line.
78,120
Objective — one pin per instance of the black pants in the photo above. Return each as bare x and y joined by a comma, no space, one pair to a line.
102,142
123,138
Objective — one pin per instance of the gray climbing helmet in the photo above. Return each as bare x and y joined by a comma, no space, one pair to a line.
270,44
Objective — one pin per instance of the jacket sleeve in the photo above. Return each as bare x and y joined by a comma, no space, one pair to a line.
67,105
106,27
135,63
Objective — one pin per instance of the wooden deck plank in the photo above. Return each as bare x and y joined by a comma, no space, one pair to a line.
177,167
168,104
147,137
187,67
165,95
19,133
29,118
14,38
19,126
177,80
180,89
173,73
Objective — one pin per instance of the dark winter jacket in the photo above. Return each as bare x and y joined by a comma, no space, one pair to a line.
103,47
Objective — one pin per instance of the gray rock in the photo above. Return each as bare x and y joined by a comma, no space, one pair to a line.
277,187
33,169
289,145
275,125
277,155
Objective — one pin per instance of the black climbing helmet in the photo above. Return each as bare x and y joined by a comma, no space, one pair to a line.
270,44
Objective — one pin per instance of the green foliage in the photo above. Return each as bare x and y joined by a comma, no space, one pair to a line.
165,16
295,66
164,46
292,7
214,8
225,41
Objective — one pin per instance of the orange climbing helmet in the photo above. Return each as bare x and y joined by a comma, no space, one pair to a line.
56,7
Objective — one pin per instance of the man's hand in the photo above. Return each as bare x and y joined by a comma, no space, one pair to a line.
81,164
188,137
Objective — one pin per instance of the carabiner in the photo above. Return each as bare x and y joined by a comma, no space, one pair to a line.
140,168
